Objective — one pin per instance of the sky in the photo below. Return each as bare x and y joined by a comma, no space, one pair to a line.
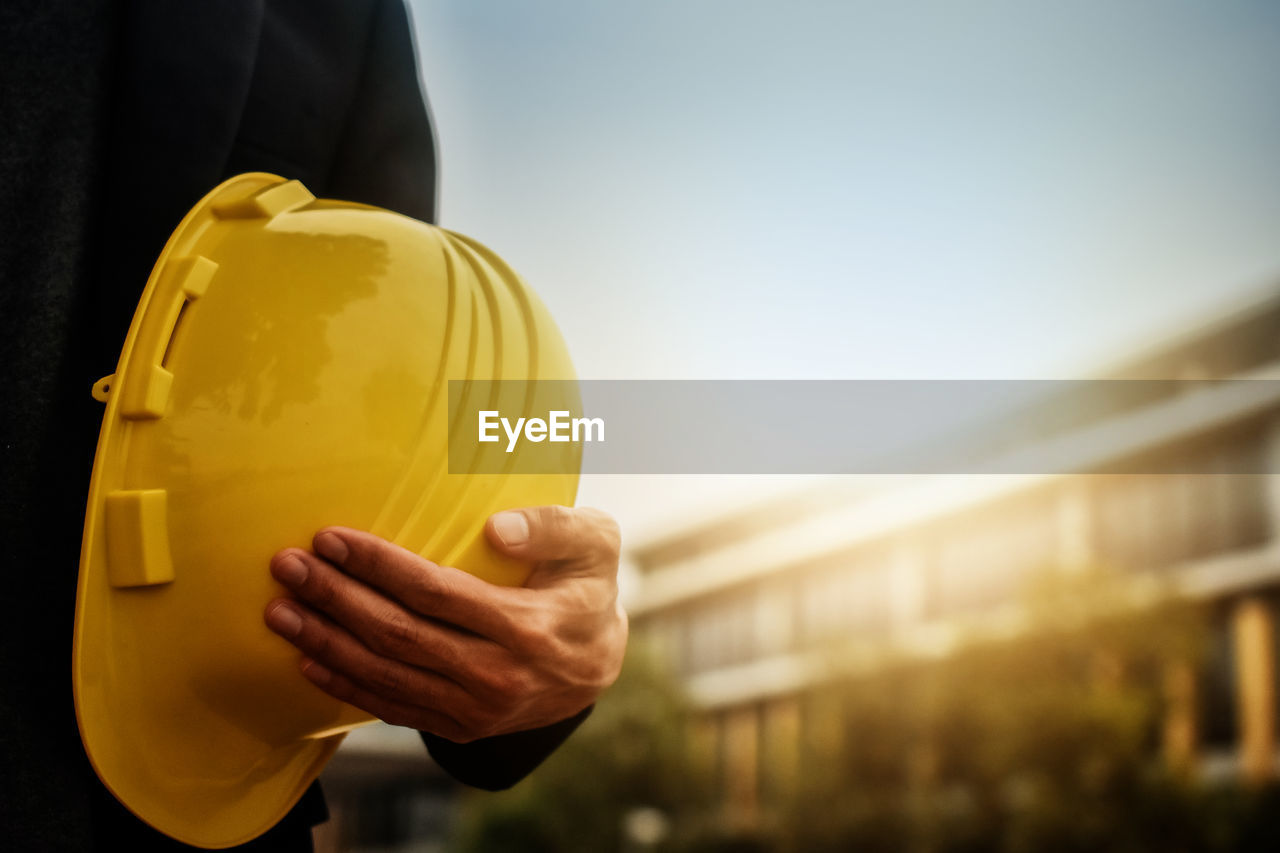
932,189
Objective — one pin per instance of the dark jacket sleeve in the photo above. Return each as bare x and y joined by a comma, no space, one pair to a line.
499,762
386,156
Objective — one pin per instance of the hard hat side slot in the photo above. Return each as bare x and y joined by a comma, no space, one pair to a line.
146,383
177,324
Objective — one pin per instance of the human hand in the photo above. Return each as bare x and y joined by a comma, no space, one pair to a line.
436,649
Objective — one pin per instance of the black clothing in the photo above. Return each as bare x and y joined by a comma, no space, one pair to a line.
120,116
55,79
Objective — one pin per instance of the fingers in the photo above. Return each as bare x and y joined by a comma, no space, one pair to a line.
441,592
431,647
339,651
382,625
341,687
582,534
338,663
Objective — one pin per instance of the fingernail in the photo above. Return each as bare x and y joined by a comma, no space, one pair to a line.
332,548
290,571
511,527
284,620
316,672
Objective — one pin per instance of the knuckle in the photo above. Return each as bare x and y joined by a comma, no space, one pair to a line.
508,616
319,642
543,643
373,558
609,534
488,688
506,686
533,631
448,657
556,520
320,589
429,585
377,561
397,633
534,645
387,680
439,590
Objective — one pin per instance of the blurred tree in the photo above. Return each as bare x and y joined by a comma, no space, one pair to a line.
633,752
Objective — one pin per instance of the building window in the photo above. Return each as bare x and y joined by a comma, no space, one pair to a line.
1147,521
721,631
1218,711
843,598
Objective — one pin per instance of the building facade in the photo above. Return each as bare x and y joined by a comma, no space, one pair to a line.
1168,485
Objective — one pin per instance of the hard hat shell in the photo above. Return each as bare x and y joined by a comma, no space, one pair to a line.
287,368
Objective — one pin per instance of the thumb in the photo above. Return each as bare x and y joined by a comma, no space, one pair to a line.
556,533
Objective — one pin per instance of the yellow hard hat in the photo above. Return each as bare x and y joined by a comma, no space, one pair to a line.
287,368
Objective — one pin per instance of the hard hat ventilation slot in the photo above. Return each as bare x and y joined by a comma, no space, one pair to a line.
177,326
145,389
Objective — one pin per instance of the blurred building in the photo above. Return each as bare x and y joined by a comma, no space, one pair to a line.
747,607
385,795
